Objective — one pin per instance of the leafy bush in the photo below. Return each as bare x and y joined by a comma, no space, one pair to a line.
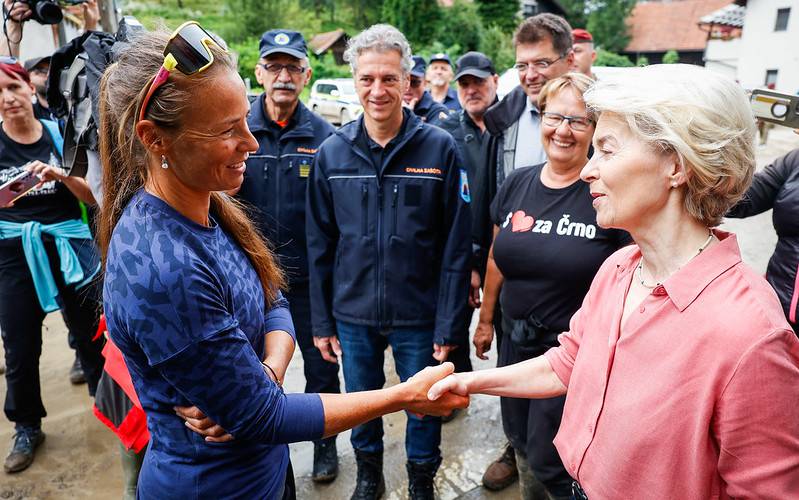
642,61
248,55
326,67
671,57
606,58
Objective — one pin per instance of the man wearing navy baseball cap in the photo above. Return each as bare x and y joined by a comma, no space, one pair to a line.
439,73
419,100
274,184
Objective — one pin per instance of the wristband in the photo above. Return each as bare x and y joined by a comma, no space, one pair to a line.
274,375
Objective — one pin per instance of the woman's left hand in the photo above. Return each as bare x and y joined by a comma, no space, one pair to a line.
202,425
47,172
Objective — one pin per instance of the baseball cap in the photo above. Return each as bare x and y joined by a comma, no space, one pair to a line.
440,56
283,42
580,35
35,61
419,66
474,64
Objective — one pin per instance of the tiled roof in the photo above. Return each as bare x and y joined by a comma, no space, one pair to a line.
658,27
730,15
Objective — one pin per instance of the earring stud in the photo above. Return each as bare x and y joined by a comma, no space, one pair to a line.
164,163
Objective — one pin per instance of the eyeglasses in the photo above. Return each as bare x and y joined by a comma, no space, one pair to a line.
189,51
276,68
416,82
539,65
576,123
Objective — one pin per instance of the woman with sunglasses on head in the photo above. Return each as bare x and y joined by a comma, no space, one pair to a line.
47,258
547,248
192,293
680,372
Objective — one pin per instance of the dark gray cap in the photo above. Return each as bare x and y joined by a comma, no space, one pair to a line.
35,61
474,64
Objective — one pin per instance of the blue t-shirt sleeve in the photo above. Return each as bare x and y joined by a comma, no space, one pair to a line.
224,378
278,317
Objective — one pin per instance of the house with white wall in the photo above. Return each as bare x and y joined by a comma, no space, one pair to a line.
768,47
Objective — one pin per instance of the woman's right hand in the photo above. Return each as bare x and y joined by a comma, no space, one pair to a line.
483,337
417,387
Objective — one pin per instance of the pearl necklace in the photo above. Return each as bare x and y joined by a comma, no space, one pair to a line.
641,263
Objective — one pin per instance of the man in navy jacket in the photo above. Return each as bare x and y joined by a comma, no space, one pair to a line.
275,182
388,250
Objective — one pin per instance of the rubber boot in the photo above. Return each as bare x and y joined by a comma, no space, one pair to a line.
131,465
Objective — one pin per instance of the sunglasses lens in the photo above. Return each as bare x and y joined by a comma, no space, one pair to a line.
188,50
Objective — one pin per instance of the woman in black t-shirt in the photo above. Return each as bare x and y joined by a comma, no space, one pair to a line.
47,261
547,247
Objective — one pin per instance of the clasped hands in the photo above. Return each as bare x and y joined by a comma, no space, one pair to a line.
436,390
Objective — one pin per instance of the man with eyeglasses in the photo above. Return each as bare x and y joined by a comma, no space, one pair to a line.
38,68
419,100
543,45
275,181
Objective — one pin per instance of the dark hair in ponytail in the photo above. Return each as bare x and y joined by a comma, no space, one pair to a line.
124,157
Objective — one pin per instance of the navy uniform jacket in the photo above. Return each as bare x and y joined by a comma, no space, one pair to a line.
276,179
451,101
429,110
388,244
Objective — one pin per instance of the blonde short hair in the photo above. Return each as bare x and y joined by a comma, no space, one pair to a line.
702,117
578,82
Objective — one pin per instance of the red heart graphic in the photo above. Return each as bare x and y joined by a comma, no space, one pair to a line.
521,222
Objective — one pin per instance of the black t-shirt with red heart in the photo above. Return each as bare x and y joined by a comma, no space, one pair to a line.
549,246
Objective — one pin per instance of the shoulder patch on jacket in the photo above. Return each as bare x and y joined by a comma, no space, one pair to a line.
464,187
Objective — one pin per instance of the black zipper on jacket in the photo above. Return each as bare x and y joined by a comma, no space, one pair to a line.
394,199
364,208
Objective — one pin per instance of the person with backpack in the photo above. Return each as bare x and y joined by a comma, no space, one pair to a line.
47,259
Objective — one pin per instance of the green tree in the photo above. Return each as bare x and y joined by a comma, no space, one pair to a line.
605,58
255,16
414,18
502,13
671,57
497,45
607,22
461,25
576,12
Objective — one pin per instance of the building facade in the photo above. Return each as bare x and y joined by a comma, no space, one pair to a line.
768,49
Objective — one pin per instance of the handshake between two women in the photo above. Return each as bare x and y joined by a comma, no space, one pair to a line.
344,411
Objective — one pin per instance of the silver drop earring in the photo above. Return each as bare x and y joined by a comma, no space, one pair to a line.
164,164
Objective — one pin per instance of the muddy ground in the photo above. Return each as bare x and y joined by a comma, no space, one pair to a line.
80,458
